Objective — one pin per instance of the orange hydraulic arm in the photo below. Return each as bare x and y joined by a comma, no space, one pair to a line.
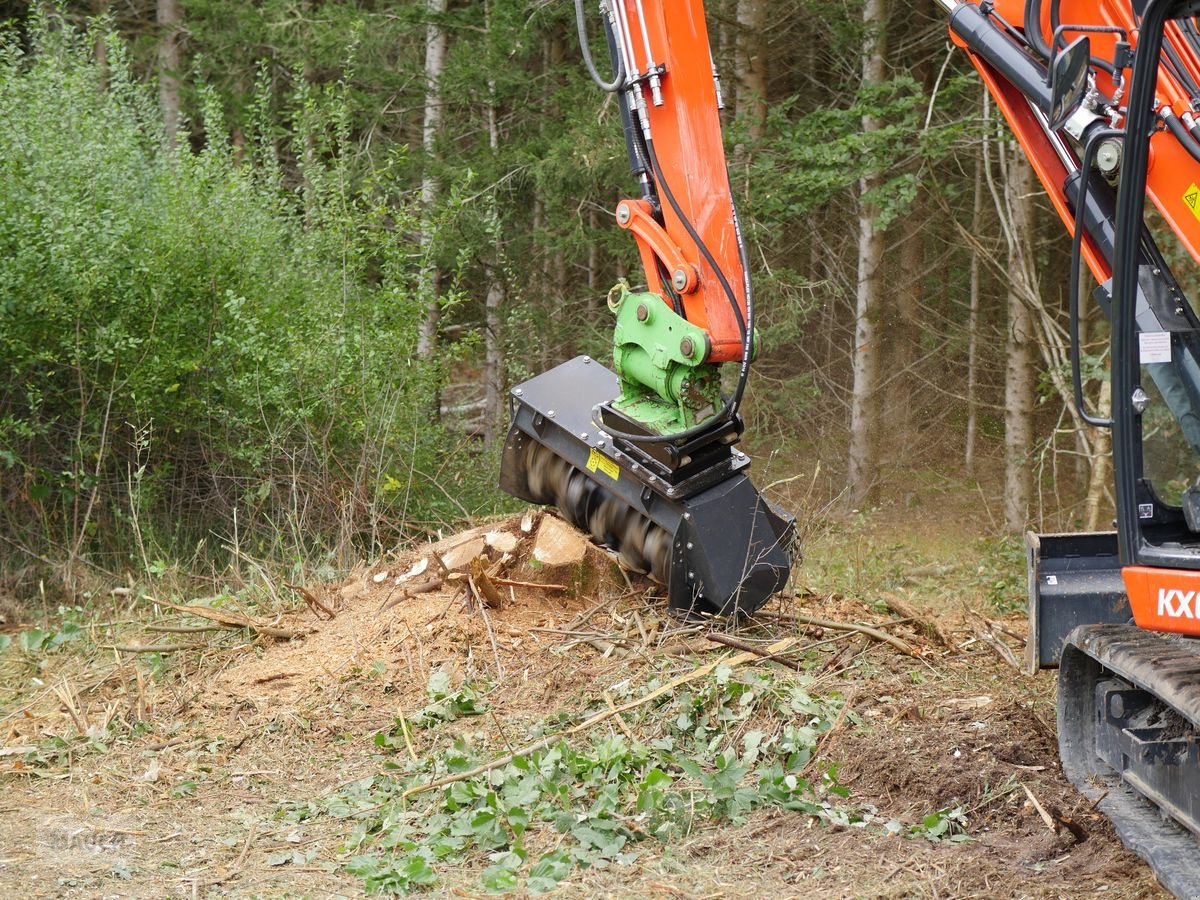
685,223
1011,43
1173,175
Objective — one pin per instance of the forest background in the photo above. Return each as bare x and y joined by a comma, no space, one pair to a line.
268,269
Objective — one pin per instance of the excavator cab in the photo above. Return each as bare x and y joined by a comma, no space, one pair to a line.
1118,612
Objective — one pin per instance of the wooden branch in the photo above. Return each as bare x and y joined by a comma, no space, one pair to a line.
151,648
508,582
236,620
875,633
311,599
718,638
706,669
985,632
927,624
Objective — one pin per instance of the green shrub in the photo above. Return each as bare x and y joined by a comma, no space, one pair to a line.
193,352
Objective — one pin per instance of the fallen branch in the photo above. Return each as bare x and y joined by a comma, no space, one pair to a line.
706,669
236,620
151,648
874,633
985,632
311,599
718,638
508,582
926,624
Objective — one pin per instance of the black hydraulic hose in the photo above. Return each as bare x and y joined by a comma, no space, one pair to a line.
581,24
1057,29
745,324
1176,127
1085,171
1033,29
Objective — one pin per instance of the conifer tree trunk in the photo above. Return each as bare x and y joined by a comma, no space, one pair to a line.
973,321
750,73
1019,380
497,289
169,64
863,407
435,59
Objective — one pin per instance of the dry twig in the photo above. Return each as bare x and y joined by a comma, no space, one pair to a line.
875,633
926,624
151,648
719,638
1041,810
311,599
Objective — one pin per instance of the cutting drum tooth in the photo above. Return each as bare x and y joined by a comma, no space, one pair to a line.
658,553
604,521
539,465
632,551
575,498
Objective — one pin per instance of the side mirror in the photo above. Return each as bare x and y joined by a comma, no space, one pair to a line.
1068,80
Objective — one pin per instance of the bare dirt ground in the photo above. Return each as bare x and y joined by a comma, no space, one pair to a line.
196,756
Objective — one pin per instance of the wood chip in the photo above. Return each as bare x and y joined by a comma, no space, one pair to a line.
483,584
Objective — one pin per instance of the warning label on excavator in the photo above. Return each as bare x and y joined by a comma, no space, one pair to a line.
1192,198
598,461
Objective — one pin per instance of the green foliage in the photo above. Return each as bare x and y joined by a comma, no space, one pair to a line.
185,340
812,156
1001,573
721,749
948,825
39,641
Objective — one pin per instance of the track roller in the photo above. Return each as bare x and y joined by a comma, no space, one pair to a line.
1128,732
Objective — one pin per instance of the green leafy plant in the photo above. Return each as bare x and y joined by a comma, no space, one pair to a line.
726,746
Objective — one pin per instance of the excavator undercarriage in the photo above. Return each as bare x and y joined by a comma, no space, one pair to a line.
1129,735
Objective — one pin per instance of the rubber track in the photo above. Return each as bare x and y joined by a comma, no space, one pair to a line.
1167,666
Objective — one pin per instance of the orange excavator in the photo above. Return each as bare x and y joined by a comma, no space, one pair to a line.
1103,97
644,455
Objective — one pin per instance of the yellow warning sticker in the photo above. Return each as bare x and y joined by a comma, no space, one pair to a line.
598,461
1192,198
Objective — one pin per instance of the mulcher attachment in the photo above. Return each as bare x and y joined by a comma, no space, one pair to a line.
705,533
1128,726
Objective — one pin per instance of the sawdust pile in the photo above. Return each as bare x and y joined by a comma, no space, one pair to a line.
490,601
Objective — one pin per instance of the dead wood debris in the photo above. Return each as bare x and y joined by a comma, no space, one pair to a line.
237,620
925,624
986,630
311,599
718,638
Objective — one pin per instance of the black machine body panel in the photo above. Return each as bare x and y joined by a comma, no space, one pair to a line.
730,547
1074,579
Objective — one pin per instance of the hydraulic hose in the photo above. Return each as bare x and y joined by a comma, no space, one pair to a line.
1033,29
1177,129
745,323
581,25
